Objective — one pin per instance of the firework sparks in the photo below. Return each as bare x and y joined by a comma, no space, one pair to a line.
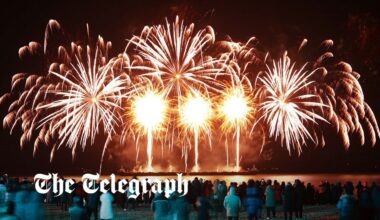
337,86
69,105
85,94
339,89
236,110
86,99
195,117
288,105
149,112
236,105
173,55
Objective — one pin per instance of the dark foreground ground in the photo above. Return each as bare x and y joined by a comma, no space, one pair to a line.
142,213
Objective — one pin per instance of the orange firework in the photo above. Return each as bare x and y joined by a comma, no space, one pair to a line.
196,114
236,111
173,55
236,107
149,111
288,106
169,76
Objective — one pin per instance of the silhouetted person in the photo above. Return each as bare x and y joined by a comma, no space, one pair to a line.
182,209
79,191
106,211
64,199
298,198
222,193
322,195
347,203
261,190
310,192
277,191
359,188
288,200
334,194
203,206
34,206
131,193
145,196
242,191
93,204
196,187
270,200
253,201
28,203
21,202
9,215
3,191
172,207
365,204
232,204
160,207
50,196
328,192
77,211
375,195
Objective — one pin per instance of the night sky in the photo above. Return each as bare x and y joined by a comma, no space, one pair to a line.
355,29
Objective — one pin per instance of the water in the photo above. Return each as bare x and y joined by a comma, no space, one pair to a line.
314,179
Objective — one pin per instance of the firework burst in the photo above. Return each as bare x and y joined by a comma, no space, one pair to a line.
79,95
169,83
236,105
196,114
235,110
288,105
337,86
174,55
88,97
149,112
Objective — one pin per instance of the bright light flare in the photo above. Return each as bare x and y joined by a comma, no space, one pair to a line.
94,100
149,112
235,111
235,108
196,115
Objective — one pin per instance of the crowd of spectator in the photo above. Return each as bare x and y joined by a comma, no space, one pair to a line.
258,198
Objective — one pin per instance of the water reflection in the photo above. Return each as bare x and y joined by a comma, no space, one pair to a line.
314,179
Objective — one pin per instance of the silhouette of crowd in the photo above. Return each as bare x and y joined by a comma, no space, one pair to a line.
258,198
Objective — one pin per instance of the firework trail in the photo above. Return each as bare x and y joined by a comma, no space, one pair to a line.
27,93
69,102
196,114
236,107
237,103
148,115
338,87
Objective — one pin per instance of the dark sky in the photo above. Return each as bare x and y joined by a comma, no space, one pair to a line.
355,28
